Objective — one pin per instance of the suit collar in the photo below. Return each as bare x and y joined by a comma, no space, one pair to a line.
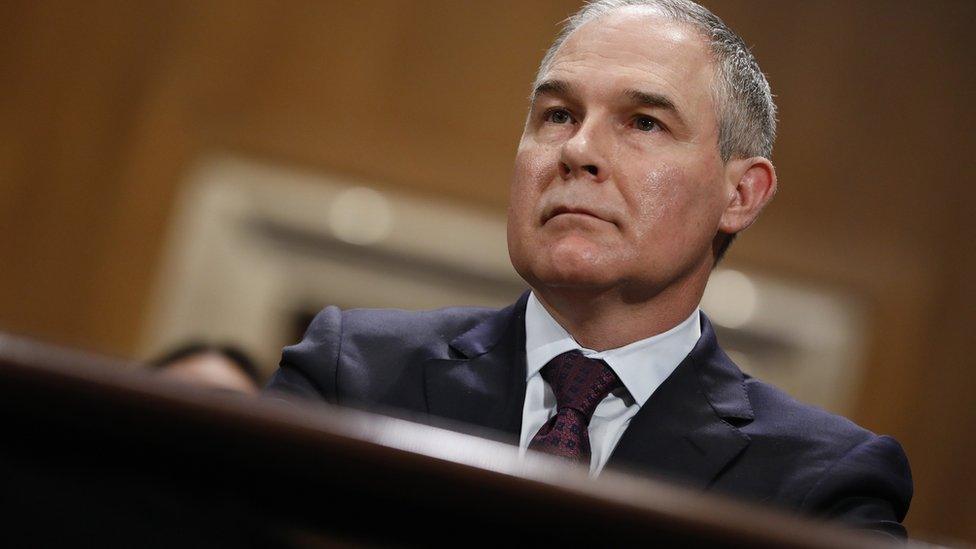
723,384
687,429
485,386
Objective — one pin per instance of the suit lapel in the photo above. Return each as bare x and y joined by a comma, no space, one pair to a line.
686,431
486,385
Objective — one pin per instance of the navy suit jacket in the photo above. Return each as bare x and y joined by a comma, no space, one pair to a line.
708,425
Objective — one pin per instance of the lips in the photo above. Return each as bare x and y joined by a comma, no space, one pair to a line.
560,210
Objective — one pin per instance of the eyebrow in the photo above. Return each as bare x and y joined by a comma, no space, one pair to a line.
552,87
651,100
654,101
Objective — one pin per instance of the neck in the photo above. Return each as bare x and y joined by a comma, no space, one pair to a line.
609,319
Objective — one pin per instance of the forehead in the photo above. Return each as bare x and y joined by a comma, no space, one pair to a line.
637,48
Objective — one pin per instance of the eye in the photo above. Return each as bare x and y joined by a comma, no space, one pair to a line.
646,124
558,116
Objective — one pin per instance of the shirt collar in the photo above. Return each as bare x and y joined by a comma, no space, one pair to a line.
642,365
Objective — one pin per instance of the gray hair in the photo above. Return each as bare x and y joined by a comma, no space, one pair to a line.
746,112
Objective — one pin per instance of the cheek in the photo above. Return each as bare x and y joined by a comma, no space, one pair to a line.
675,206
659,197
534,169
528,180
534,161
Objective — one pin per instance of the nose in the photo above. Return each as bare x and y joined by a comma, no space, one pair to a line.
582,154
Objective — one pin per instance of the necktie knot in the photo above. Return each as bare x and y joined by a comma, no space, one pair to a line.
578,382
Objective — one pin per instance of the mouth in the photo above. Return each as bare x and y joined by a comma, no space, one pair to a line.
566,210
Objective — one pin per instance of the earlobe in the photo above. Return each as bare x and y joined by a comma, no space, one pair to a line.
752,184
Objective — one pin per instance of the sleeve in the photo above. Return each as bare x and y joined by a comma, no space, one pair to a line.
309,368
869,487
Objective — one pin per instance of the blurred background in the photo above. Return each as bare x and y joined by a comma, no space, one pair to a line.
222,170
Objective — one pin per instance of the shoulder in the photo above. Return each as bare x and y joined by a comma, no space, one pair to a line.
405,328
399,326
828,464
779,415
368,346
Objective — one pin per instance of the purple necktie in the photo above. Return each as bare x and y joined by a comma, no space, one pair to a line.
580,384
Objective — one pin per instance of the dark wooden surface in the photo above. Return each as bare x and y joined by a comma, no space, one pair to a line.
98,452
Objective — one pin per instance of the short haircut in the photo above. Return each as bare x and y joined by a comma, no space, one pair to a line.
746,111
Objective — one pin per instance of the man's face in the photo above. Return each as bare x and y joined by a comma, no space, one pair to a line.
618,181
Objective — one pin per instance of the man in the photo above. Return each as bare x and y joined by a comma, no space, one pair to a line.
644,153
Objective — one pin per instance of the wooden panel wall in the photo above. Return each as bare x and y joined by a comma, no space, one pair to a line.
104,106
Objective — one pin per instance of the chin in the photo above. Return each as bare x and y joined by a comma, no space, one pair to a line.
580,281
561,271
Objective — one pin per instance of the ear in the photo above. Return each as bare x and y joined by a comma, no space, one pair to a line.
751,183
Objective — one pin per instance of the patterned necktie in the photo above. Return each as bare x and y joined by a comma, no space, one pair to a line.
580,384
